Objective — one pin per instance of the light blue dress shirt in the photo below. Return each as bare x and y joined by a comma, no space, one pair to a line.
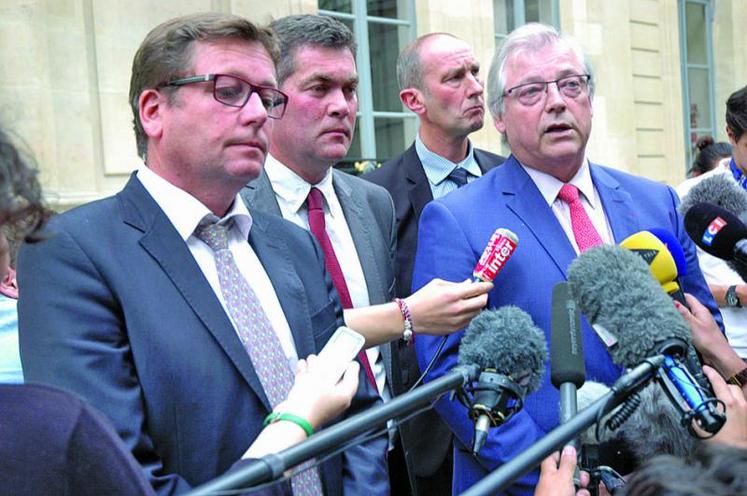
438,168
10,359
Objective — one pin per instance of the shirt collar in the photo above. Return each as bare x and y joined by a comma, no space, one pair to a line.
291,188
438,168
550,186
184,210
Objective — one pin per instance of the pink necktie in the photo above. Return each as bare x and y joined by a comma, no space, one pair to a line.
583,229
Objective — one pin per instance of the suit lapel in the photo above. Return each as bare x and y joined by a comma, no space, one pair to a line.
418,187
617,203
359,219
259,194
275,257
161,240
484,161
526,201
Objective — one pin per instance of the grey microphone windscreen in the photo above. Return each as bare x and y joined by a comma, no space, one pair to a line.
507,341
614,289
721,190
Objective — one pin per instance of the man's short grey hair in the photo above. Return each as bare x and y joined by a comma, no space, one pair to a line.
409,64
531,37
296,31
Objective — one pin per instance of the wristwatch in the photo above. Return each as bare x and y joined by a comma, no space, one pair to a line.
732,300
738,379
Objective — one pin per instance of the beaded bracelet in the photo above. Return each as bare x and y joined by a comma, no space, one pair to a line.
408,334
299,421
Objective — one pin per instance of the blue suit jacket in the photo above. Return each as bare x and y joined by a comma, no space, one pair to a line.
454,231
116,309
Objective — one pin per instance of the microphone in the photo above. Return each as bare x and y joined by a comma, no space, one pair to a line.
720,190
567,366
650,427
674,247
499,249
720,233
614,289
511,353
664,269
501,246
660,261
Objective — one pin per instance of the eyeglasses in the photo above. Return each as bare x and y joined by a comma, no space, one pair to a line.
569,86
235,92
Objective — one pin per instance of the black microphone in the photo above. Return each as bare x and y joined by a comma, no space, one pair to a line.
720,233
567,366
720,190
615,290
511,353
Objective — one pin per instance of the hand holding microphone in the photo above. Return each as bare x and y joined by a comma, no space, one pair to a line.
442,307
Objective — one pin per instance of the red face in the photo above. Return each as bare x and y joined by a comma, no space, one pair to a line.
319,120
551,134
452,88
209,149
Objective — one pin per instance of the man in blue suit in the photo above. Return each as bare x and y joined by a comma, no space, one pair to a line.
129,303
558,203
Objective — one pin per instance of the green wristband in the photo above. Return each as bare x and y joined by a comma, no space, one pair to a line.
299,421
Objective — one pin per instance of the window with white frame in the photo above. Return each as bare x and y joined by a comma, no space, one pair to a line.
382,28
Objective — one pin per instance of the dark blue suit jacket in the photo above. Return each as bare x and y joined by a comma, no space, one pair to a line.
453,233
116,309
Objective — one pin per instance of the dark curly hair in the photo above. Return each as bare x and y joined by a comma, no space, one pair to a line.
22,210
709,153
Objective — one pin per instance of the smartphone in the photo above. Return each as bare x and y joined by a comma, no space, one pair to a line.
339,351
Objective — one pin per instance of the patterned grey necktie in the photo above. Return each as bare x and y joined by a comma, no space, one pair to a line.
256,333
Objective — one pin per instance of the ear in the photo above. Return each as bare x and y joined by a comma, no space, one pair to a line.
9,285
151,105
499,124
730,135
412,98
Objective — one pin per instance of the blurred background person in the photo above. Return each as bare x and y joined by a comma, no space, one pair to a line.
710,154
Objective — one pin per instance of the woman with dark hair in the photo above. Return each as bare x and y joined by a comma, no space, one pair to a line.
709,155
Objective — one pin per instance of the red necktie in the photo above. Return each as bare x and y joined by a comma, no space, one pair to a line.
583,229
315,207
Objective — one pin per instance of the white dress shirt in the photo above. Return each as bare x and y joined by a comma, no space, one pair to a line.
185,212
291,191
549,187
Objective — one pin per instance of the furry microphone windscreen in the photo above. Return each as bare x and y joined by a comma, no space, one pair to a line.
721,190
506,340
615,289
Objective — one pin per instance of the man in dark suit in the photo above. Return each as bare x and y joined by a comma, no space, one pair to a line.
439,79
161,305
317,70
559,204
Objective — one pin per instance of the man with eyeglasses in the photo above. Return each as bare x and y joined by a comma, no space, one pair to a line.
540,88
171,307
